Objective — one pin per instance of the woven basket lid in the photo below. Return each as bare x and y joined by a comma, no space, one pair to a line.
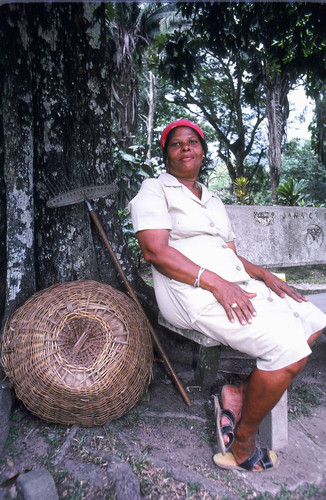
78,353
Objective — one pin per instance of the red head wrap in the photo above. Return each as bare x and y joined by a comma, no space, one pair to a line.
180,123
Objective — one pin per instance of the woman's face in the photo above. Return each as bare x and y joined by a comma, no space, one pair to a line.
184,153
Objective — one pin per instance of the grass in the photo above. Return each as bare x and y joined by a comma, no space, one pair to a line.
301,493
302,399
304,274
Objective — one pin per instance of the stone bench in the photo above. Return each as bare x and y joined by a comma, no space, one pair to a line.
276,236
273,430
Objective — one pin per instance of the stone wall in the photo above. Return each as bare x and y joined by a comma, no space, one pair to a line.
280,236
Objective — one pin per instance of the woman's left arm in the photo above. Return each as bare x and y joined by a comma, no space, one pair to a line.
278,286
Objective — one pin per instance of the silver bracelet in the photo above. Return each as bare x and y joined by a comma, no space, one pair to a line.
197,280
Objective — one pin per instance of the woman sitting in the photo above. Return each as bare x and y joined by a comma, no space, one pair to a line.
201,283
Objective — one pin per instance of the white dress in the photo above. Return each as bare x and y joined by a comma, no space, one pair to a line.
200,230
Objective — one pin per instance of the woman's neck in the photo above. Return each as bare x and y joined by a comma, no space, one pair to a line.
192,185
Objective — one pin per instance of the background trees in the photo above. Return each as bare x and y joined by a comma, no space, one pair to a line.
218,94
274,43
300,163
317,91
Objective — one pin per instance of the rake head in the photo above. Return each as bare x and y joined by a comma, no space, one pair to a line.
79,195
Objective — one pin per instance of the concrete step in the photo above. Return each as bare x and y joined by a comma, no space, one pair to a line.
318,299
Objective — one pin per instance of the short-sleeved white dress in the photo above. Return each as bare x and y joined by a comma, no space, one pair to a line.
200,230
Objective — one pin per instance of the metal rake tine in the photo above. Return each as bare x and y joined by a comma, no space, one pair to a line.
86,179
51,188
66,183
54,186
92,178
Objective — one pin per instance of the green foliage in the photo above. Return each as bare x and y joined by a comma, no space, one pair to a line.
260,41
300,162
260,184
292,192
131,170
129,235
220,90
275,37
202,57
241,185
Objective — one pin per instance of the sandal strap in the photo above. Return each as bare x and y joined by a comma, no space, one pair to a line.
230,415
260,455
266,460
228,429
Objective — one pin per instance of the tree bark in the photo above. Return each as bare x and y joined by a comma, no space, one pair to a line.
55,131
277,109
320,134
17,136
151,99
3,262
124,81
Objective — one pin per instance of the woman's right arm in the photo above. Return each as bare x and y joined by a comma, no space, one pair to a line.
175,265
166,259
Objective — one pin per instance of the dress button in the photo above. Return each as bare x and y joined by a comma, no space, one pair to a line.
296,314
238,268
224,246
212,224
270,299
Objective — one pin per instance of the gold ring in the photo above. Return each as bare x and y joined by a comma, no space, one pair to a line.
234,305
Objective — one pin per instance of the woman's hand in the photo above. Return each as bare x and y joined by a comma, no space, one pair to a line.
235,301
281,288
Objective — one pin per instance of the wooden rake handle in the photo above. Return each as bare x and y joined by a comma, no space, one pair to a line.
156,341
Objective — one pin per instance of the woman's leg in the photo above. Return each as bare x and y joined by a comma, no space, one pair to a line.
314,337
264,390
260,382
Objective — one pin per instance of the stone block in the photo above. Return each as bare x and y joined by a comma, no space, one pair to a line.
207,365
273,430
197,337
276,236
37,485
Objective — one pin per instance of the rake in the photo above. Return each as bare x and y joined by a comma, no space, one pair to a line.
85,194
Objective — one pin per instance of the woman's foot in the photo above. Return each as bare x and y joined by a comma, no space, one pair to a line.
242,450
232,399
261,460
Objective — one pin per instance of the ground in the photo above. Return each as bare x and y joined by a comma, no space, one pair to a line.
169,446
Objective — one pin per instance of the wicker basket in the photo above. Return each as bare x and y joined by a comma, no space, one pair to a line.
78,353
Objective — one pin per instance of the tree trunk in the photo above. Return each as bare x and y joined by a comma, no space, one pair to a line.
151,99
17,215
55,130
124,85
277,109
320,113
